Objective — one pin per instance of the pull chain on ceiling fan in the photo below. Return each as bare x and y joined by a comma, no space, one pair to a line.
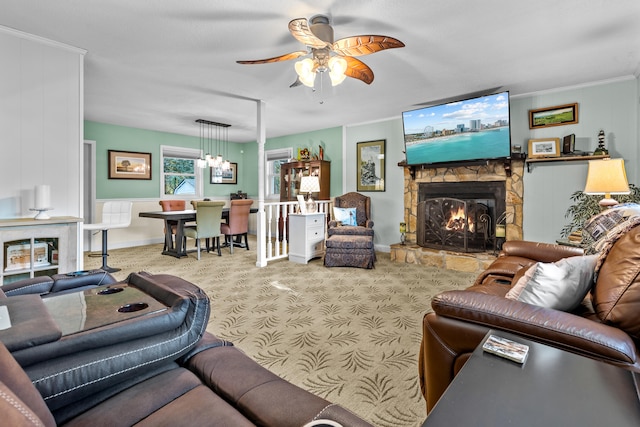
326,55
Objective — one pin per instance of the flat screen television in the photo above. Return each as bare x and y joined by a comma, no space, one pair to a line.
462,131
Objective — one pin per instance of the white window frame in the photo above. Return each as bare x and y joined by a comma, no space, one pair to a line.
181,153
269,157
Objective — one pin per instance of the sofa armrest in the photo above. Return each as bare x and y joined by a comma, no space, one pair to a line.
262,396
543,252
559,329
517,255
36,285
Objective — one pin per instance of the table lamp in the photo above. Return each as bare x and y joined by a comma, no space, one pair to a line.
310,184
606,177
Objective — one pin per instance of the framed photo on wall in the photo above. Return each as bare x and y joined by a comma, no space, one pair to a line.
219,176
129,165
370,167
553,116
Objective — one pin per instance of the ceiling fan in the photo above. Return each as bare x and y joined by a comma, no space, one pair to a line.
337,57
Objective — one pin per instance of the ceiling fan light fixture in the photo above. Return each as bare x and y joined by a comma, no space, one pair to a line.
306,72
337,67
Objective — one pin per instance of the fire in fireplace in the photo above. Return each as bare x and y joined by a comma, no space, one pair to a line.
459,216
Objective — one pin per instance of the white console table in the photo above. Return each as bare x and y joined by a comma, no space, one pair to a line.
30,248
306,236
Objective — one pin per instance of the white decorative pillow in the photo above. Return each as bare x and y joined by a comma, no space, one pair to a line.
347,216
560,285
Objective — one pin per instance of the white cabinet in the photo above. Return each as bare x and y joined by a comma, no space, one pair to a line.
306,236
31,248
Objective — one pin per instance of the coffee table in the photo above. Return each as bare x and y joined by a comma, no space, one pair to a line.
552,388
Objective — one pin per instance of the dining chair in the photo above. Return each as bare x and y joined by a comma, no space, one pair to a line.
208,218
172,205
238,223
114,215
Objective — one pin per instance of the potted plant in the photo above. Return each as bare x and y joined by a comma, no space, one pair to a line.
585,206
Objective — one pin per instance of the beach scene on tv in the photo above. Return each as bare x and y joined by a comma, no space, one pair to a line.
472,129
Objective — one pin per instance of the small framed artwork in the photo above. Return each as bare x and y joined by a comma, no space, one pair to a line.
553,116
544,147
219,176
370,167
129,165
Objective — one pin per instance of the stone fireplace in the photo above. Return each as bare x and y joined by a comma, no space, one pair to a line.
502,194
459,216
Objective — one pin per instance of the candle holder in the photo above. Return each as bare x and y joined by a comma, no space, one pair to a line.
403,231
42,213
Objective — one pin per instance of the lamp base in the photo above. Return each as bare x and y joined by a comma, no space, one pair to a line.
311,205
607,202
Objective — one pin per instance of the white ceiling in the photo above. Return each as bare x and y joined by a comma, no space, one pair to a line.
163,64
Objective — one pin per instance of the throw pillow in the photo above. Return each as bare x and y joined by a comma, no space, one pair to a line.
560,285
609,224
347,216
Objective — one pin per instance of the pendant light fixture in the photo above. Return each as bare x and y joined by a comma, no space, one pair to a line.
207,129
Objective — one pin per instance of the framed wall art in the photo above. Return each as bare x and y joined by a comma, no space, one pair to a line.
370,168
219,176
129,165
545,147
553,116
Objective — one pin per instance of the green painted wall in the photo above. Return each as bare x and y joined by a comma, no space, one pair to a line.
111,137
330,139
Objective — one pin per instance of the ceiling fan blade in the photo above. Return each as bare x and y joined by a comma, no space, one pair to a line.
300,30
365,45
285,57
358,70
296,83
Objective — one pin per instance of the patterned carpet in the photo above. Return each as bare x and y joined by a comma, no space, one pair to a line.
349,335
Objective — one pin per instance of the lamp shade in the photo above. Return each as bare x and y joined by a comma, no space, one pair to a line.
606,177
309,184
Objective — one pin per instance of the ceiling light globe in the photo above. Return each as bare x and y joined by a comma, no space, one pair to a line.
306,74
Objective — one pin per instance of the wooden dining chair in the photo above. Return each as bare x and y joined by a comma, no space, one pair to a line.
208,218
238,223
172,205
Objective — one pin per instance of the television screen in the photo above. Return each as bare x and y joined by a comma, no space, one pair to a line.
466,130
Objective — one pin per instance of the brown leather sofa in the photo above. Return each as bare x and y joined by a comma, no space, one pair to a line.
605,326
154,370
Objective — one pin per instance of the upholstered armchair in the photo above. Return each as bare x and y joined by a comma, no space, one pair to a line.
362,206
350,233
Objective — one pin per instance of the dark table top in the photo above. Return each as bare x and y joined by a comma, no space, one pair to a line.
552,388
180,215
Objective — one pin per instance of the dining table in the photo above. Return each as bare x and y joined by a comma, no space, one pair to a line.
178,219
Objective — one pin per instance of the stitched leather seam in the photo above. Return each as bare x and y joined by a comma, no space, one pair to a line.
21,408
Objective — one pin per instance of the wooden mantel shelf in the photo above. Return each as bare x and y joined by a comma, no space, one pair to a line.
564,158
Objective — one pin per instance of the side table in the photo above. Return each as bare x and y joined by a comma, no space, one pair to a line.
552,388
306,236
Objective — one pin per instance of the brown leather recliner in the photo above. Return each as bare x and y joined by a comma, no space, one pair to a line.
605,327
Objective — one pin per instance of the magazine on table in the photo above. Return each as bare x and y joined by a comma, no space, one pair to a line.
506,348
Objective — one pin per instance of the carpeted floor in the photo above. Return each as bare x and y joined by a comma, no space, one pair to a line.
349,335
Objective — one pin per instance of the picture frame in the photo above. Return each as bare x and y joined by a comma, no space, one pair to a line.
218,176
544,147
371,165
129,165
559,115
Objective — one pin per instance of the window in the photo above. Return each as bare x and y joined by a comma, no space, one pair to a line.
180,176
273,160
